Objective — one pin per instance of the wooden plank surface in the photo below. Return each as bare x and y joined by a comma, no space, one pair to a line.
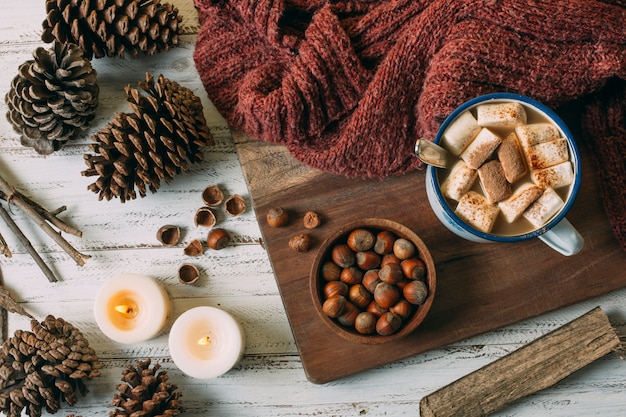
480,287
271,379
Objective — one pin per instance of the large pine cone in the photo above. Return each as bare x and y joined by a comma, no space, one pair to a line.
112,27
39,369
53,97
146,393
166,129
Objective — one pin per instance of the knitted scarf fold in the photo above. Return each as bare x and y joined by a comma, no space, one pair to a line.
348,86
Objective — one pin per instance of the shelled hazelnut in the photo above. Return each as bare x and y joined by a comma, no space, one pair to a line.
277,217
300,242
384,277
311,220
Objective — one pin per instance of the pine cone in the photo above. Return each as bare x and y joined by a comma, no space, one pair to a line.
146,393
39,369
112,27
53,98
167,128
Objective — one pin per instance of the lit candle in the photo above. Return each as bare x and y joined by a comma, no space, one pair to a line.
206,342
131,308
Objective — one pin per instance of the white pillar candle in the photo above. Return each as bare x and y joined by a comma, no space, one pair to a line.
206,342
131,308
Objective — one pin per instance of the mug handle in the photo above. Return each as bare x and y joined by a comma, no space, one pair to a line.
563,238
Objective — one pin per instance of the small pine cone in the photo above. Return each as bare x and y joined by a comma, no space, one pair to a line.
146,393
41,368
112,27
53,97
136,151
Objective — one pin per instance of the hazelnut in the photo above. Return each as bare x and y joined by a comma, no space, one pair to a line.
370,280
169,235
205,217
277,217
413,268
391,273
388,323
402,308
330,271
218,238
335,288
348,317
360,240
351,275
384,242
359,296
367,260
212,196
375,309
343,256
389,258
365,323
415,292
194,248
403,248
300,242
334,306
386,295
311,220
234,205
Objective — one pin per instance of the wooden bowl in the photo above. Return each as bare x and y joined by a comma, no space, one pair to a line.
375,225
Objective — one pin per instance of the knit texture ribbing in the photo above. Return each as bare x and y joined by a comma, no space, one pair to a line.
348,86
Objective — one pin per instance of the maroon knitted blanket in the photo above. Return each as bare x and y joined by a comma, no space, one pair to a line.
347,86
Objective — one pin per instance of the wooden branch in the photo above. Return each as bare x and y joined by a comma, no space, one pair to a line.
14,197
50,216
529,369
4,248
29,247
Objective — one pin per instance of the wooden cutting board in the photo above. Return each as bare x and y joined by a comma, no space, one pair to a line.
480,287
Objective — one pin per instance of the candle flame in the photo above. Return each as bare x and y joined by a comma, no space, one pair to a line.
204,341
126,310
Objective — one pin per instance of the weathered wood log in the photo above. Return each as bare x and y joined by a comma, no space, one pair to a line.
529,369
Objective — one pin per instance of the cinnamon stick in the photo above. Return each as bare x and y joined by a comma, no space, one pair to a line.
536,366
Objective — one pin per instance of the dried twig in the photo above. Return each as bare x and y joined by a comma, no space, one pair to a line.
16,198
4,248
29,247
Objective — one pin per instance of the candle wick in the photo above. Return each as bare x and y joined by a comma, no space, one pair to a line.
125,310
204,341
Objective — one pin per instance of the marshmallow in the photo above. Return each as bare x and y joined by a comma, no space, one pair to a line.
460,133
493,182
542,210
513,207
481,148
555,176
547,154
459,181
533,134
509,114
512,158
475,210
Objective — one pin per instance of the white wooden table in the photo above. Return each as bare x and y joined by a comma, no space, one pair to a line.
269,381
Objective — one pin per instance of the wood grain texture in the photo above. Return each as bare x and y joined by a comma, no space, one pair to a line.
534,367
481,287
271,379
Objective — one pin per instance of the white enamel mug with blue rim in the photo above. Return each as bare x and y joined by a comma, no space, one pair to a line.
558,233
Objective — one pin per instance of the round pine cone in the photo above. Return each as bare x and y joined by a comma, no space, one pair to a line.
53,97
42,367
166,129
146,393
112,27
